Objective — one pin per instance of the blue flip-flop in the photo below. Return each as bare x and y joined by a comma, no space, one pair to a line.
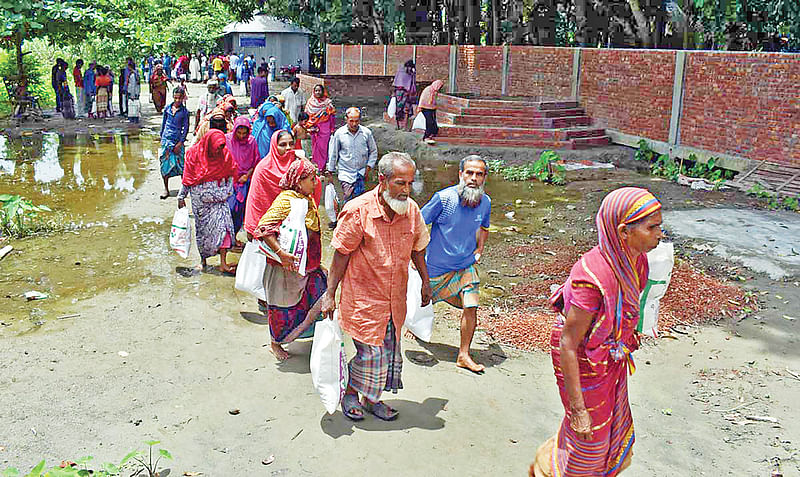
349,404
382,411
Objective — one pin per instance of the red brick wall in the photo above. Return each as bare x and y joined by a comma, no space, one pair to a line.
433,62
480,70
397,55
333,60
307,83
373,59
544,73
744,104
352,59
629,90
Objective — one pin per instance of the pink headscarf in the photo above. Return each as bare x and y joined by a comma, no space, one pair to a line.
245,153
264,184
427,99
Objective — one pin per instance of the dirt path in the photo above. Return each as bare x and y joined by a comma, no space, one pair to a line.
167,358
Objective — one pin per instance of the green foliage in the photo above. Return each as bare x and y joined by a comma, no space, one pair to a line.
774,201
663,165
544,169
38,80
19,217
192,33
135,462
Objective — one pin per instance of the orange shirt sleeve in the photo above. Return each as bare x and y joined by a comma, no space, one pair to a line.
349,233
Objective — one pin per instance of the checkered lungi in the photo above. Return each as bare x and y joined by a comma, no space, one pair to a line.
458,288
375,369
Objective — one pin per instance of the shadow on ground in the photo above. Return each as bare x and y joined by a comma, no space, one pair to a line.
412,415
436,352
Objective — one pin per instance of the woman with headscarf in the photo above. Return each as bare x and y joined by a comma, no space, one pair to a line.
290,296
222,115
269,118
158,87
427,106
242,146
208,179
321,122
593,340
405,92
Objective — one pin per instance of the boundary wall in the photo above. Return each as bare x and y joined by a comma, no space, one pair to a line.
737,106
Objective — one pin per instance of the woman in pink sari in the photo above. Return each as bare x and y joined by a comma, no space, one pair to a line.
321,121
242,146
592,343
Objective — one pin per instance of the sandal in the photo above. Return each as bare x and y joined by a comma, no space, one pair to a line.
382,411
349,404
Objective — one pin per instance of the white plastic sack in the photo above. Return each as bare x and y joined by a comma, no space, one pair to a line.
180,235
242,89
419,319
330,202
329,363
419,122
292,236
661,260
134,108
250,271
392,109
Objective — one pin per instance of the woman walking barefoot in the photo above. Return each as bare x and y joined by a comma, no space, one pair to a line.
291,297
593,341
208,178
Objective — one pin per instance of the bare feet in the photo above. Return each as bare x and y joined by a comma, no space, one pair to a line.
225,268
278,351
164,196
466,362
410,335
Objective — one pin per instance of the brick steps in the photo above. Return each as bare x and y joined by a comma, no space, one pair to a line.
519,124
516,122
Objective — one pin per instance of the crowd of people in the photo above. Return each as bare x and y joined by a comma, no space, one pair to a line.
94,90
248,172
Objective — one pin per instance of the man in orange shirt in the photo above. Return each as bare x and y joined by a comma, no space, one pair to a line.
378,233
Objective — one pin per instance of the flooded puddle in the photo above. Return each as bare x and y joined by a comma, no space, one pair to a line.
84,177
81,178
81,175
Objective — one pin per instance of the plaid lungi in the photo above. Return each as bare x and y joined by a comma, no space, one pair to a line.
375,369
458,288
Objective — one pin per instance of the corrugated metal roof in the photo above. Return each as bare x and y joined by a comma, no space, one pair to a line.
264,24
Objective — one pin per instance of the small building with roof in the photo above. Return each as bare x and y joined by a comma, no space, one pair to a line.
266,36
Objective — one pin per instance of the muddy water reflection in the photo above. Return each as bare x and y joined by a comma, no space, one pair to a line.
82,175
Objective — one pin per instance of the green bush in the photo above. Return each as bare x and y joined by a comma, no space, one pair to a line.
38,74
545,169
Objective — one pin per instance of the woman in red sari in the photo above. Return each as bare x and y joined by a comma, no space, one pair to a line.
592,343
158,87
320,123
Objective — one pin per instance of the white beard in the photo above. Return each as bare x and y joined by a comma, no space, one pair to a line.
398,206
470,196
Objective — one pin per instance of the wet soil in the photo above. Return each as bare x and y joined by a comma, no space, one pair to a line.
127,349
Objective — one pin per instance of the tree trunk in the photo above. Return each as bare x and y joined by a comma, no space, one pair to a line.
642,25
495,22
580,22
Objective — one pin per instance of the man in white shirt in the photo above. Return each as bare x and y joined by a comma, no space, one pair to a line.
352,154
295,99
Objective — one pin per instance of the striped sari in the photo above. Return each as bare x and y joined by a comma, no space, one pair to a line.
606,281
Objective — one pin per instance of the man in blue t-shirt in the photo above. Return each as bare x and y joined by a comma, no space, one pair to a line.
460,218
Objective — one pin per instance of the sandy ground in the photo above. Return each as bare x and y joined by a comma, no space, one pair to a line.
168,357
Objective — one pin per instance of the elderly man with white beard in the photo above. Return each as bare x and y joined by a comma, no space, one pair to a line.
378,233
460,218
